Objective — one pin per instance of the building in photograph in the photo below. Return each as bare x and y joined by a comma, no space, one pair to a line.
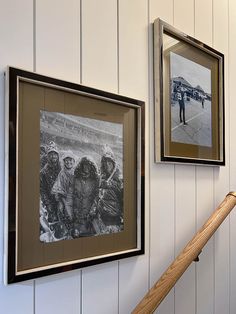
195,92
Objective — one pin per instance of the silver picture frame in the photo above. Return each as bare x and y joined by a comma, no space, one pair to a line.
188,100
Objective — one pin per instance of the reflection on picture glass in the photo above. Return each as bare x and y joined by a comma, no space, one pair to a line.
190,99
81,177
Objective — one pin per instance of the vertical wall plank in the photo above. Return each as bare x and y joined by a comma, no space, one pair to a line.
163,10
203,21
100,289
185,189
99,44
232,111
204,186
205,266
16,49
58,294
185,229
162,221
184,16
232,69
221,175
57,38
133,82
162,196
99,69
57,54
133,49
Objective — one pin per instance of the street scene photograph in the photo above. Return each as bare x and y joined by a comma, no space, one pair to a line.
190,101
81,177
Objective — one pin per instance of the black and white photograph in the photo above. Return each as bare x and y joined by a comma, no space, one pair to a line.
81,177
190,100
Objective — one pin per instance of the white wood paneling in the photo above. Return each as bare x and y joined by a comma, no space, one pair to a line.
99,69
100,289
203,21
99,44
116,55
221,175
184,231
184,15
133,282
232,69
58,39
232,110
133,55
58,294
162,196
185,206
133,49
205,267
161,9
162,227
16,35
204,186
16,49
17,299
57,35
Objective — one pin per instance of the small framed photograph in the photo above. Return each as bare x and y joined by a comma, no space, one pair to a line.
74,176
189,99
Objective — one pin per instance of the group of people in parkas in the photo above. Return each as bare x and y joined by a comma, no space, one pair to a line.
76,198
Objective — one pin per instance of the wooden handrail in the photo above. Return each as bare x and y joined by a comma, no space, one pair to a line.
190,253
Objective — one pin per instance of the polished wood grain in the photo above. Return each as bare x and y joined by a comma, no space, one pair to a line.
158,292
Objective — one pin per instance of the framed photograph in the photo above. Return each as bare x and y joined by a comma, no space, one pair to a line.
74,176
189,99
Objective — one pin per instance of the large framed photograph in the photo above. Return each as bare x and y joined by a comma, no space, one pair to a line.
189,99
74,176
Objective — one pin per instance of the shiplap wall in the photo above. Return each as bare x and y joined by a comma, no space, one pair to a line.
107,44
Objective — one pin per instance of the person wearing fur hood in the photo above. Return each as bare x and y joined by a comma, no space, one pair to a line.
63,190
86,188
110,204
48,176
